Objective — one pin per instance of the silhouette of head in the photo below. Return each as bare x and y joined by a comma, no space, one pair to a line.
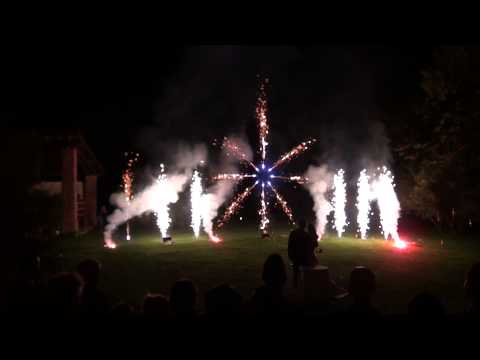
223,300
121,311
302,223
156,306
183,297
274,273
89,270
472,283
425,305
63,292
362,283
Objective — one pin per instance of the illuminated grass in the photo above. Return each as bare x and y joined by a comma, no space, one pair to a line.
145,264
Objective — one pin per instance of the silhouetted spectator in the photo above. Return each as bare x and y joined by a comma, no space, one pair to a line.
269,298
426,306
121,312
183,299
361,287
156,307
223,302
24,292
472,290
93,302
63,295
301,250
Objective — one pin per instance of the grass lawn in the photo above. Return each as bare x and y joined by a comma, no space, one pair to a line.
145,264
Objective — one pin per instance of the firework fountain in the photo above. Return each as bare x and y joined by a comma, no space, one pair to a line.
127,178
339,200
162,203
196,203
363,203
389,206
379,188
261,173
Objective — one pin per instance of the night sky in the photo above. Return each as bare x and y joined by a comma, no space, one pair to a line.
145,96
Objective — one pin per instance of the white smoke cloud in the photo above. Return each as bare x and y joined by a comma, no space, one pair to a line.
320,181
214,197
186,157
159,195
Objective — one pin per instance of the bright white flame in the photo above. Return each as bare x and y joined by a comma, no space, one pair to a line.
196,206
164,193
339,200
388,204
400,244
363,203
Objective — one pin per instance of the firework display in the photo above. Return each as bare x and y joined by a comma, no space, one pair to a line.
262,173
328,189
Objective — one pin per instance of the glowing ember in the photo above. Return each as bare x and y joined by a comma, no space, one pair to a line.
110,244
400,244
363,203
339,200
196,206
215,239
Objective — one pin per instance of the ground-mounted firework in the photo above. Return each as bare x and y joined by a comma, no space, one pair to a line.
364,197
339,201
388,204
262,174
127,184
196,203
162,202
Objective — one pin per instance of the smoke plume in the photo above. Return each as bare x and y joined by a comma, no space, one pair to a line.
320,181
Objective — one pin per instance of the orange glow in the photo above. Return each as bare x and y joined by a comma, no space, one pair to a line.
215,239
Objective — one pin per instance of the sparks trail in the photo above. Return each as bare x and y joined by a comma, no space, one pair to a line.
297,179
127,180
283,203
261,112
235,150
263,211
235,177
235,205
296,151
